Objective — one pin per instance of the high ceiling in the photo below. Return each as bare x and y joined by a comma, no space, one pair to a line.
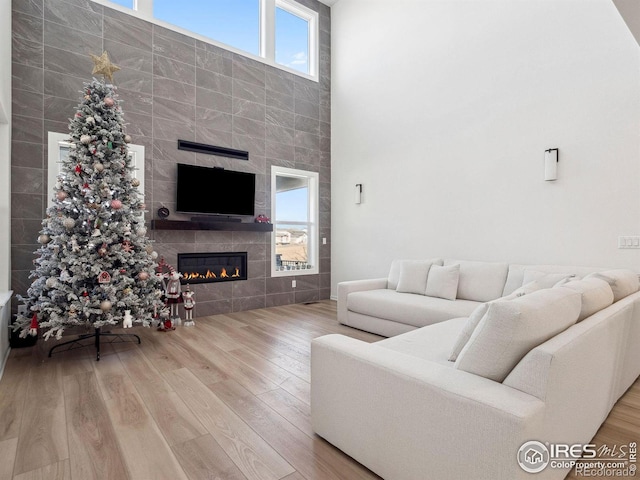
329,2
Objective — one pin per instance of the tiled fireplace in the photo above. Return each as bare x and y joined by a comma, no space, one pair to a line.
212,267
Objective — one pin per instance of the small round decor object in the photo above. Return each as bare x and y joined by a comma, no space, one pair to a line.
143,276
90,120
127,139
109,102
163,212
44,239
149,249
116,204
105,305
61,195
69,223
86,139
141,232
98,167
154,254
135,182
51,282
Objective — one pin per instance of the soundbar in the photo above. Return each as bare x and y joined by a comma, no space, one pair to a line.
212,150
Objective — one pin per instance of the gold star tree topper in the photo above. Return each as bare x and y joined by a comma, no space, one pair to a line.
103,66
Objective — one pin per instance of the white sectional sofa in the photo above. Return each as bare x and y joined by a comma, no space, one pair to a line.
402,408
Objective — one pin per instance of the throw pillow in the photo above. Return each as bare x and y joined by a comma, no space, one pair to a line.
509,330
526,289
413,277
474,320
622,282
442,282
545,280
596,295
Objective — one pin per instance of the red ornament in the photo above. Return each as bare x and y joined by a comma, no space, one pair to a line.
116,204
123,271
109,102
143,276
78,168
85,294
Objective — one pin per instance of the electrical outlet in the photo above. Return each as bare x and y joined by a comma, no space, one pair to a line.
324,240
629,241
293,284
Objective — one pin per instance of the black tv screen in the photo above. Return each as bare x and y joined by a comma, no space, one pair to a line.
215,191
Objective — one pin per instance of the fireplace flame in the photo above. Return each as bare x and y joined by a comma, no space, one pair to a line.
236,274
224,274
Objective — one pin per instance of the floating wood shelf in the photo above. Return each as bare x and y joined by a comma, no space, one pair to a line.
228,226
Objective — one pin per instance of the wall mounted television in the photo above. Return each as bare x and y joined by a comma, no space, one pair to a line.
215,191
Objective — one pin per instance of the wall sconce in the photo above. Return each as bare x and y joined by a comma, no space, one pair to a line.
358,193
551,164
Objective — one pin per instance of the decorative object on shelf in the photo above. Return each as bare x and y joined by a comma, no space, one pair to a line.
189,304
127,321
262,219
163,212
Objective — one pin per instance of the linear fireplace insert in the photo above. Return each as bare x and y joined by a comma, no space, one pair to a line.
212,267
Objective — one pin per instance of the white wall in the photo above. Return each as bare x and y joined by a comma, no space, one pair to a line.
5,143
5,174
443,111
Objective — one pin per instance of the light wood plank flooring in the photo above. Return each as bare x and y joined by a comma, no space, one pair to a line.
227,399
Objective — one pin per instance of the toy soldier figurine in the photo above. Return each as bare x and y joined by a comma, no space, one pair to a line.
189,303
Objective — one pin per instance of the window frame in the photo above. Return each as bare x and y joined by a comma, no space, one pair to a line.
57,141
312,223
143,9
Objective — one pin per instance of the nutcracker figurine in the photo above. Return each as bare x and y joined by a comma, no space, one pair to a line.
189,303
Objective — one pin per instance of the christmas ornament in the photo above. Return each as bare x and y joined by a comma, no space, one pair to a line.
116,204
61,195
127,247
103,250
85,294
103,66
74,246
96,232
105,305
51,282
68,223
148,249
86,139
127,139
143,276
127,229
64,275
104,277
141,232
87,97
98,167
78,169
44,239
135,182
33,330
154,255
109,102
90,120
72,311
143,206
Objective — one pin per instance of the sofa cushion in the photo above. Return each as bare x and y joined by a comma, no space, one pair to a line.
413,277
442,282
596,295
407,308
546,280
622,282
432,342
396,267
515,278
480,281
511,328
478,313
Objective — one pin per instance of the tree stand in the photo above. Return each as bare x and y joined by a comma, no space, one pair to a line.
114,338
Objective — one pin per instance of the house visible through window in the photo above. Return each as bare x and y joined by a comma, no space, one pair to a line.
295,217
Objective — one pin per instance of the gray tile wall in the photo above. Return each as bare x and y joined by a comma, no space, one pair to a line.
172,86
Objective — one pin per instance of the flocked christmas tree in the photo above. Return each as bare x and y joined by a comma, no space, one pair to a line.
95,260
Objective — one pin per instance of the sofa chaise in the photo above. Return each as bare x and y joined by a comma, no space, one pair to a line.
543,359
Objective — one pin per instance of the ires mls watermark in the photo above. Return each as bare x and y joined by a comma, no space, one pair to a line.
589,460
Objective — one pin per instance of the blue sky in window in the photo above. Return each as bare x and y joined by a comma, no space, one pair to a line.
234,22
292,41
124,3
291,205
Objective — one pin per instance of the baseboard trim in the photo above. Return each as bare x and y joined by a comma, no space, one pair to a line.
4,362
334,298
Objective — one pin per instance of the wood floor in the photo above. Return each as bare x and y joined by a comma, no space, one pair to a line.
227,399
